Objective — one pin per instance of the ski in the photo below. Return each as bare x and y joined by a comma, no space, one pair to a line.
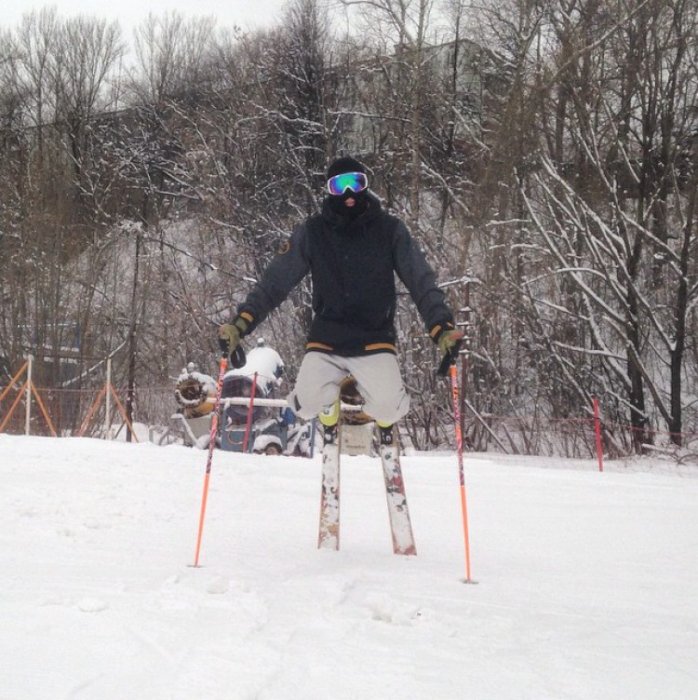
328,536
398,512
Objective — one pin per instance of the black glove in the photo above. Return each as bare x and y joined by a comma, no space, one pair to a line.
449,342
229,336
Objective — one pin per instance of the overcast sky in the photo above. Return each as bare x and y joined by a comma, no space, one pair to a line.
243,13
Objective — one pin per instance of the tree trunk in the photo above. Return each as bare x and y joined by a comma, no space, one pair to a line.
133,332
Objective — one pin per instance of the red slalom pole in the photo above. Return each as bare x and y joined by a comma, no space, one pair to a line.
453,373
211,445
250,409
597,433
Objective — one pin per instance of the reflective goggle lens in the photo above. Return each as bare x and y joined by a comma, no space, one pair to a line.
356,182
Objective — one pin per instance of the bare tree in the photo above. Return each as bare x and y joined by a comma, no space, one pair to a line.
172,56
86,52
627,115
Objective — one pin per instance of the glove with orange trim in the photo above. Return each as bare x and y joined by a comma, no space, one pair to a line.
449,342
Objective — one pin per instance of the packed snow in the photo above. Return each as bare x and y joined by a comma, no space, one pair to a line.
586,581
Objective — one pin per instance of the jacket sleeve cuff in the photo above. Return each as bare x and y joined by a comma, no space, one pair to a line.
243,321
438,329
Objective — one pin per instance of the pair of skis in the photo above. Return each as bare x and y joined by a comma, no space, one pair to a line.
398,512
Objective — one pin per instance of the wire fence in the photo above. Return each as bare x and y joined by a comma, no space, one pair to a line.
88,412
83,411
571,437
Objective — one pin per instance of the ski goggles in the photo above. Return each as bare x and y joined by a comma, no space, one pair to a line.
339,184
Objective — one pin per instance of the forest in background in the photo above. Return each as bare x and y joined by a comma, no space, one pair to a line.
544,154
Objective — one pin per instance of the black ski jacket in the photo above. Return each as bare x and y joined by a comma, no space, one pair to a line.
352,265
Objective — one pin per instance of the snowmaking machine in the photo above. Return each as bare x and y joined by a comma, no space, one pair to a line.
272,429
195,394
248,422
244,423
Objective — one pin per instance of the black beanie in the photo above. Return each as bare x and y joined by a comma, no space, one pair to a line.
346,164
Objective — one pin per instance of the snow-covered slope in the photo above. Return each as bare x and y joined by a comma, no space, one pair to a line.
587,581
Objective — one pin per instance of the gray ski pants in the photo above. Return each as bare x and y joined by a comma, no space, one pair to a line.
377,379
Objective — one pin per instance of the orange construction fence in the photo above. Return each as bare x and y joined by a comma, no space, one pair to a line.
66,404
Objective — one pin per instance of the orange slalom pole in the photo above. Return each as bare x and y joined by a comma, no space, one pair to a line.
211,444
453,373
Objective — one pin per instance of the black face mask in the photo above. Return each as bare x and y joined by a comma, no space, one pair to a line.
337,203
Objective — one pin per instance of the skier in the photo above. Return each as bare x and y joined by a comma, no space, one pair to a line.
352,248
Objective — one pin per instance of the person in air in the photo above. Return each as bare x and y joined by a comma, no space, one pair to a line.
352,249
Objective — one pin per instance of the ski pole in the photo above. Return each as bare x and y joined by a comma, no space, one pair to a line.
211,444
250,411
453,373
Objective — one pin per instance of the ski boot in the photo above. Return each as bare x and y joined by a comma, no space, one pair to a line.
329,419
386,434
328,535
